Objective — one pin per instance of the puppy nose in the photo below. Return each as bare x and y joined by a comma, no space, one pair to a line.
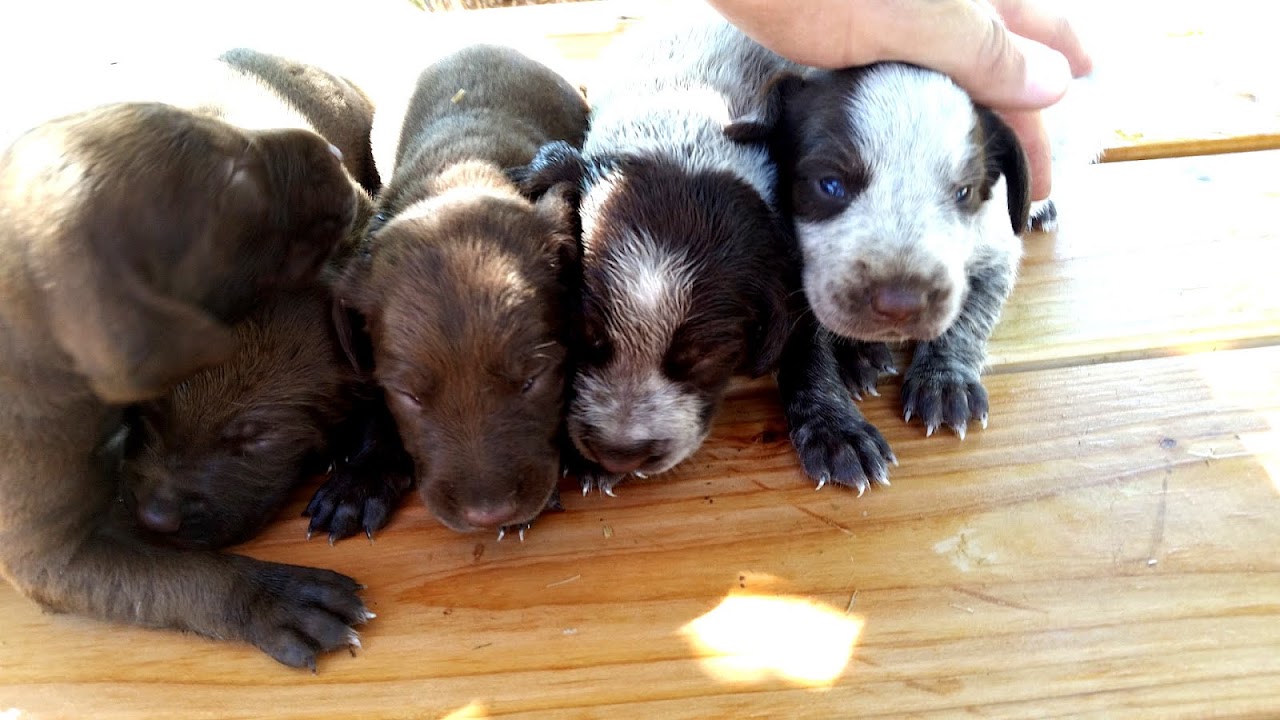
622,459
161,517
899,303
489,516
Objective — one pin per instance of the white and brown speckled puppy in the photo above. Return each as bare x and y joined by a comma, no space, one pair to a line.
685,262
464,287
908,201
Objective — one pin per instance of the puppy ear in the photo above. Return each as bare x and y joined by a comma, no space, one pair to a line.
556,162
1005,154
349,312
559,206
131,343
757,123
772,322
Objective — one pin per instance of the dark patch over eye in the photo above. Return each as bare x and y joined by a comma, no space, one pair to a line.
823,189
702,357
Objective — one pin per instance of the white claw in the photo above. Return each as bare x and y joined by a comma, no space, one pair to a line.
928,431
893,459
862,487
891,370
607,490
522,534
883,480
369,615
960,430
502,532
353,639
984,421
640,475
586,488
906,415
873,392
822,482
857,396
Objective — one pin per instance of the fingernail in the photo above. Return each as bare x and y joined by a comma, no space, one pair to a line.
1048,74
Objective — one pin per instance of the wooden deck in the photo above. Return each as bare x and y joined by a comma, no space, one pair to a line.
1107,547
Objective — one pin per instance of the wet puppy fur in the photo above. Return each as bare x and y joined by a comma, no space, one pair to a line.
686,266
464,284
907,201
214,460
136,235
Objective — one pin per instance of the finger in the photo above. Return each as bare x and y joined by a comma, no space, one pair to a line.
1029,127
1038,22
968,41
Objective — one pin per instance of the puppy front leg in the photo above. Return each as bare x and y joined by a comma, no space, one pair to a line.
943,386
64,544
370,476
835,442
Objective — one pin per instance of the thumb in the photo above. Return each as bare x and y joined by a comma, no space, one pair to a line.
968,41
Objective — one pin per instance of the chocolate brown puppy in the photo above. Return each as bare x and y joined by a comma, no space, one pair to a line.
218,455
464,286
220,452
133,236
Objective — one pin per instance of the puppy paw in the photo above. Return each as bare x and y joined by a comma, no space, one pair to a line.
295,613
837,445
519,529
355,498
599,479
939,396
861,364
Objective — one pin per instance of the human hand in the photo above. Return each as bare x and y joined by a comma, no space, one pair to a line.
1016,56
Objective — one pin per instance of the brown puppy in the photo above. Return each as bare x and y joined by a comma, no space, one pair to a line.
463,287
220,452
133,235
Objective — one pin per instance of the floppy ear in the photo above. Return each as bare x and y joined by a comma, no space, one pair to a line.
348,313
559,206
556,162
1005,153
772,322
757,123
130,342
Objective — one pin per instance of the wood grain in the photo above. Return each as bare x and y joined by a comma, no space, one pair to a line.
1107,545
1151,258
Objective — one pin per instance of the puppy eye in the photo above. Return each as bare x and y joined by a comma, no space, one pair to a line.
409,397
833,187
963,192
528,384
248,436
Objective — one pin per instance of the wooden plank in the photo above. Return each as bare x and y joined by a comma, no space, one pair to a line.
1106,547
1152,258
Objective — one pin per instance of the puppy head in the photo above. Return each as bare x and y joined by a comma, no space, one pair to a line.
897,184
463,297
683,285
156,227
219,453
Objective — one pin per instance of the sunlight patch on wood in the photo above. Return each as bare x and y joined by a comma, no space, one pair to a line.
474,711
749,638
